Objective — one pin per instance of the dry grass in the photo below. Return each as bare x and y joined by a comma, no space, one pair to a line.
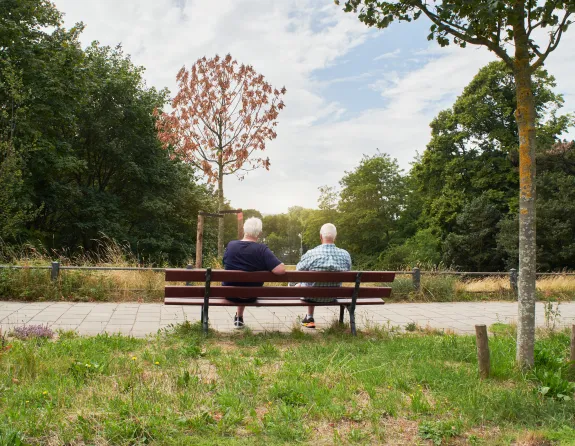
549,284
148,286
487,285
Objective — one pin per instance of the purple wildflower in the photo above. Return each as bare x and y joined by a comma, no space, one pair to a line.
33,331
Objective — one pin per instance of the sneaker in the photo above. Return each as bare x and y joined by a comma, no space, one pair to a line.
308,322
238,322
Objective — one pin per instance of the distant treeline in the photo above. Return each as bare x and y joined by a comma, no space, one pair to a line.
80,160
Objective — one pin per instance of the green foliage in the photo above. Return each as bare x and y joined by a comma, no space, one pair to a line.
439,430
467,179
283,233
79,154
552,370
424,248
11,437
555,218
372,197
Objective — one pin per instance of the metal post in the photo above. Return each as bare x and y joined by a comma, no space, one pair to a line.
416,279
55,271
341,313
189,267
513,280
206,300
351,308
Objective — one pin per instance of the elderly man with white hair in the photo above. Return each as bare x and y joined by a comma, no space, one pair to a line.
325,257
248,255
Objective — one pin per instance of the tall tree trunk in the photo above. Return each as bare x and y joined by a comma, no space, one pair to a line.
525,116
220,207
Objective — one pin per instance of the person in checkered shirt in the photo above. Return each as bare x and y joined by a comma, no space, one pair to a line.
325,257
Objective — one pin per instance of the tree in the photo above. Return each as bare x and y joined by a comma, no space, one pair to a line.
224,113
79,153
371,201
473,152
495,25
555,212
472,245
23,31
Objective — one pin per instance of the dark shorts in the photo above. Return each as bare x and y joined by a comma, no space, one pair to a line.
240,300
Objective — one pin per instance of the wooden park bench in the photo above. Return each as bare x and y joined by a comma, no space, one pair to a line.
275,296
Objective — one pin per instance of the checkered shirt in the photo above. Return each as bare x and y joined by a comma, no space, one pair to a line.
326,257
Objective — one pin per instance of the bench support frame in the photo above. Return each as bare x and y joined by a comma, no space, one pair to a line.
351,308
204,316
205,307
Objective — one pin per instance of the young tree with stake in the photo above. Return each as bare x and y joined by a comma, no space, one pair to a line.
507,28
223,115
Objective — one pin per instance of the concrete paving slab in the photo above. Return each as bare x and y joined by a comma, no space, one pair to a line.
141,319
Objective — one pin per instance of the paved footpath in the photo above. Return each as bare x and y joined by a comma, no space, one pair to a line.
140,320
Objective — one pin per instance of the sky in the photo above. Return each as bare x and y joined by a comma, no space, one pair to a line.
351,90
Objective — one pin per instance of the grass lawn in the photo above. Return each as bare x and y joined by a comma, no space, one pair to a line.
181,388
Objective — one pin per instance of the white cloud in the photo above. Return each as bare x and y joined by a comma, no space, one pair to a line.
391,55
287,41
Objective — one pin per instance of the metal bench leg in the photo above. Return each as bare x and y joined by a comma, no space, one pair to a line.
205,307
352,320
205,319
351,308
341,313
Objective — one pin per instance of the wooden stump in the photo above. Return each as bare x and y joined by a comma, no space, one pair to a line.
482,351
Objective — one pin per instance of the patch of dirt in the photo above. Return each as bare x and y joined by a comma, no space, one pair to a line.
532,439
394,431
269,369
227,346
205,371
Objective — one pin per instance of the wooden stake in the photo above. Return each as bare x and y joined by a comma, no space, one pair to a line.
199,241
482,351
240,224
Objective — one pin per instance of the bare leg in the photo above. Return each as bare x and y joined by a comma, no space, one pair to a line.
241,310
310,309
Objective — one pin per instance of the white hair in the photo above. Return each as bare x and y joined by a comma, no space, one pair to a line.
253,227
328,231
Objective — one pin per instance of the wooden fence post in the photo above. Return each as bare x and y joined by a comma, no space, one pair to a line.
55,271
240,224
416,279
199,241
482,351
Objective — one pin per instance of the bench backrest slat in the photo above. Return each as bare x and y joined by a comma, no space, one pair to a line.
199,275
223,291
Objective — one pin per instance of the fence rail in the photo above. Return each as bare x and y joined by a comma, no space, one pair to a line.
415,273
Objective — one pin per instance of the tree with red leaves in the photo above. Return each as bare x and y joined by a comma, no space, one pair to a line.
223,115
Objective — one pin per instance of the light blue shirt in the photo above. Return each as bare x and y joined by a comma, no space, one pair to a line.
326,257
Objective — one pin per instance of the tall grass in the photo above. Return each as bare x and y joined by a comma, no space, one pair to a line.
81,285
147,286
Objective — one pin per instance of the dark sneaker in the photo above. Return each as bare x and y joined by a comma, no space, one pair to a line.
308,322
238,322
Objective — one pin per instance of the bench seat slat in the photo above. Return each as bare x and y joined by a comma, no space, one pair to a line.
199,275
267,302
222,291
